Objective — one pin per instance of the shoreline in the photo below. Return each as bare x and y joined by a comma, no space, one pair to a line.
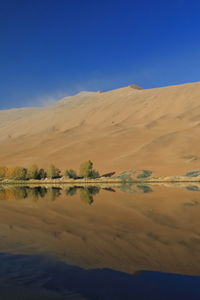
93,182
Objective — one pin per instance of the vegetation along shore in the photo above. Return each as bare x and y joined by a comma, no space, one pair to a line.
86,174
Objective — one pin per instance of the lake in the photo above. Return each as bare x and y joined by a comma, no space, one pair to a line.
134,241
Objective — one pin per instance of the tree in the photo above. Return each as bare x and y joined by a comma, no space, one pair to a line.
19,173
42,174
86,168
2,172
33,172
53,172
9,173
71,174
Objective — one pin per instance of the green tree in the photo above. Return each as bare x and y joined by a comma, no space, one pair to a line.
53,172
86,168
33,172
42,174
71,174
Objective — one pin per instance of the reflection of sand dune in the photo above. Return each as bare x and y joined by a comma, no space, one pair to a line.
122,129
159,230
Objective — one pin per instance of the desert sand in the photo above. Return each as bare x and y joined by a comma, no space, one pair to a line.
127,128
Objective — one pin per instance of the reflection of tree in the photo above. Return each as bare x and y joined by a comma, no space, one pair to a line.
71,191
87,193
145,188
10,193
53,193
129,187
5,194
193,188
93,190
42,191
86,196
33,193
20,193
2,193
36,192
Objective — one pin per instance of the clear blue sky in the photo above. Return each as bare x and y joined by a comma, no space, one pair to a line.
52,48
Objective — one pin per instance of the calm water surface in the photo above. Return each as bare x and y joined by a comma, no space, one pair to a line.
119,242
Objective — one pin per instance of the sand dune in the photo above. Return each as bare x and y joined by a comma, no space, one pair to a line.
127,128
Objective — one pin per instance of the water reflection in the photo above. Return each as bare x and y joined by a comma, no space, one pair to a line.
127,228
193,188
22,192
86,193
136,188
145,188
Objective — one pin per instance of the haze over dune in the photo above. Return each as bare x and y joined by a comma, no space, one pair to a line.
127,128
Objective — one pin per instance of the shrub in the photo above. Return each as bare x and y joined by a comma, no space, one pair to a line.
192,174
71,174
125,178
145,174
94,174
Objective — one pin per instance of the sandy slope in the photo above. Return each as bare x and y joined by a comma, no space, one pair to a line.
122,129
